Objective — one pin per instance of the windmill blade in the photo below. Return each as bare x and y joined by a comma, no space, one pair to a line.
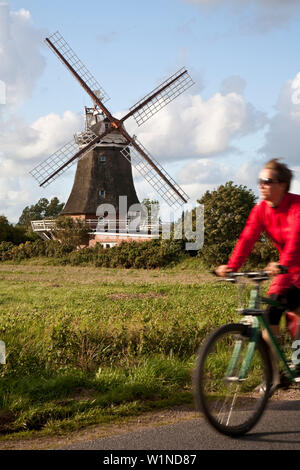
62,160
155,174
160,97
63,50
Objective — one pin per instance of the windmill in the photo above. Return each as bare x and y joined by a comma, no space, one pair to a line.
104,151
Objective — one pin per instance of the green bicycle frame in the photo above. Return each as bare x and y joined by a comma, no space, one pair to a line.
258,322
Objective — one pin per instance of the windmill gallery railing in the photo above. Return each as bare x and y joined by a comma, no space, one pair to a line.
118,226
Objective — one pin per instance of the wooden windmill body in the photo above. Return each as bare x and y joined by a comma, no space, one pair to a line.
102,176
105,152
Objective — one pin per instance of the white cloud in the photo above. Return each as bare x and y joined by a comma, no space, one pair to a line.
19,190
247,173
204,172
282,137
23,145
203,175
193,127
295,186
39,140
21,62
207,175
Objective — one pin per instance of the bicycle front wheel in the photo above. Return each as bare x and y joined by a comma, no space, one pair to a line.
231,383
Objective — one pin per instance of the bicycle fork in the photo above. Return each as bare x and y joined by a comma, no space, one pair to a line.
248,355
236,380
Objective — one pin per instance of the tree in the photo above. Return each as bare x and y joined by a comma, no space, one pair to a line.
71,232
152,208
54,208
43,209
4,229
10,233
225,213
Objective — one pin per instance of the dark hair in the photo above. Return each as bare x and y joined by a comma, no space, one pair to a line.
284,174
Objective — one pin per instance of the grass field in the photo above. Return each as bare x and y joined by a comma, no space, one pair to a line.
90,345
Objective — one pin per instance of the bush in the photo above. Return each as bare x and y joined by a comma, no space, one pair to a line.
147,255
71,232
262,253
226,211
5,250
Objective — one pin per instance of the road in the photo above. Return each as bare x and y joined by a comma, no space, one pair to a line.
278,429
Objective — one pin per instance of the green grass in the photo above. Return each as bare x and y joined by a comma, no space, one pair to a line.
72,399
87,345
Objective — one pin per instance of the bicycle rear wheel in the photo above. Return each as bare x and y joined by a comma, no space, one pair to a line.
232,401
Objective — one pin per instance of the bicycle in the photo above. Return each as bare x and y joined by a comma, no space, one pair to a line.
233,371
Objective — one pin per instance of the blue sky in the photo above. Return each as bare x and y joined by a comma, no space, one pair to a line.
136,43
243,57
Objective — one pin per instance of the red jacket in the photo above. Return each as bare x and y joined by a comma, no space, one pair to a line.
282,225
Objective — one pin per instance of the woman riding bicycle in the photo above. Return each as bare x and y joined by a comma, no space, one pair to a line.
278,215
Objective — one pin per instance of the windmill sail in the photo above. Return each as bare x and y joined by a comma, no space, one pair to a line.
155,175
132,150
62,160
160,97
67,52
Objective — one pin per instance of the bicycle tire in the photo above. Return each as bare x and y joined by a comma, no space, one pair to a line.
242,401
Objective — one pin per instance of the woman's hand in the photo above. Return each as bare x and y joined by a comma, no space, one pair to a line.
222,270
273,269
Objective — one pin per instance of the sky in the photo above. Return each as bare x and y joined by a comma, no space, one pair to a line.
243,109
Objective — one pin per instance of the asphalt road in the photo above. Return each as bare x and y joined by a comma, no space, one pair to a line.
278,429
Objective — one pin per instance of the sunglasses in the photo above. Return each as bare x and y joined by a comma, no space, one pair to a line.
267,181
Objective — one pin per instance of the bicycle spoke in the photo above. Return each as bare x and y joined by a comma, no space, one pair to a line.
226,388
232,405
223,407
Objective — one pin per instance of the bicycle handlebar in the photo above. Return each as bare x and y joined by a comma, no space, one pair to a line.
258,275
